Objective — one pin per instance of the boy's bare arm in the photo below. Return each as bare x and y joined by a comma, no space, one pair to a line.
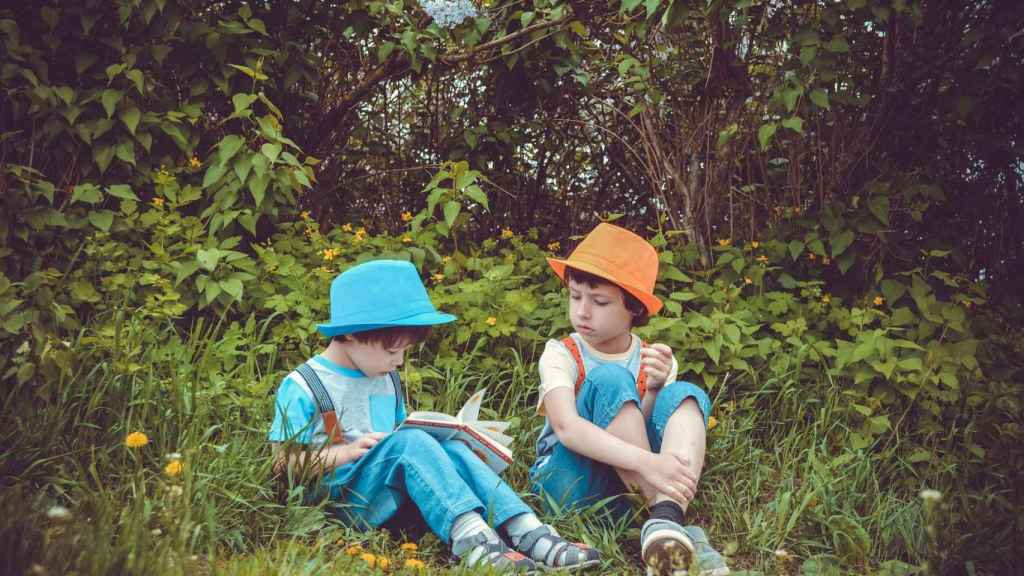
301,460
668,472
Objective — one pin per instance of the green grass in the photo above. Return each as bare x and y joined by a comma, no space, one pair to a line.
778,475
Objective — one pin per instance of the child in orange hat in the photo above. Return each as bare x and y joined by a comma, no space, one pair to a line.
617,419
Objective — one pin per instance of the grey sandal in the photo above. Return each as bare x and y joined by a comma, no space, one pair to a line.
553,552
497,555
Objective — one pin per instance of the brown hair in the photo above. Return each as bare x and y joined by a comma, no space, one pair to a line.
635,306
389,337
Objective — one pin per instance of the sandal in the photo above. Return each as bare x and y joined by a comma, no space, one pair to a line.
496,555
666,548
553,552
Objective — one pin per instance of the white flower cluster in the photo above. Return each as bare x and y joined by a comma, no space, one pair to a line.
449,13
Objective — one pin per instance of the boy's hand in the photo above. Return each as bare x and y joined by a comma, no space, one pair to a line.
669,473
656,361
362,445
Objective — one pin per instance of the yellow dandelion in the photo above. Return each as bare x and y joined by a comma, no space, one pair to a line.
724,241
446,259
712,422
173,468
383,563
747,280
409,547
406,216
361,231
407,239
507,233
438,277
346,227
879,300
370,559
826,299
354,550
136,440
554,246
194,163
158,202
413,564
304,214
755,244
329,254
491,320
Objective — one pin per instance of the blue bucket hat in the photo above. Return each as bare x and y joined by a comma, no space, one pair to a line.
379,294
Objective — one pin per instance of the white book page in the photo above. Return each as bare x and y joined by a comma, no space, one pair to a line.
471,409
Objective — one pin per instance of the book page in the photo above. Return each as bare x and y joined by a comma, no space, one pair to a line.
436,416
471,409
493,430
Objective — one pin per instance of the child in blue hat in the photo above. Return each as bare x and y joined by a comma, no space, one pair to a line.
336,415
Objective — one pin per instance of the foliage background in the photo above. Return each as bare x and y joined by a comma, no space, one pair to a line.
833,187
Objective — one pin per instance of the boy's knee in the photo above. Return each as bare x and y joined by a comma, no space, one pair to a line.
612,379
412,439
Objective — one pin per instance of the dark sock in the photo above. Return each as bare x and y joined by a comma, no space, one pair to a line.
668,510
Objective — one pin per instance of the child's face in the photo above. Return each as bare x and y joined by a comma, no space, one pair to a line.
599,315
374,359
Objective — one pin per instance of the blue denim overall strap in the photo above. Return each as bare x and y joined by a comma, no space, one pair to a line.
324,405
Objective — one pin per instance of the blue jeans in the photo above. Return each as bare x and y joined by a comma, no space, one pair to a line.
573,480
442,479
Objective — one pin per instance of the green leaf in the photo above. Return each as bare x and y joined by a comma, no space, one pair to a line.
820,98
101,219
122,191
841,241
135,75
477,195
126,151
114,70
892,290
66,94
110,98
796,248
258,187
208,258
901,316
84,291
103,155
232,286
838,45
807,54
131,117
789,97
242,102
451,211
242,166
846,261
213,174
879,206
87,193
765,133
271,150
794,123
229,146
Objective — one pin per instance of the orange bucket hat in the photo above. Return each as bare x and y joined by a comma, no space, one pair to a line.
619,256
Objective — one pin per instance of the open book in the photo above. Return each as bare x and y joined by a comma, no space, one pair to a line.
485,438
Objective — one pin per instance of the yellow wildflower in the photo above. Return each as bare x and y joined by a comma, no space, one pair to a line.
438,277
158,202
712,422
413,564
136,440
747,280
826,299
330,254
409,547
762,259
354,550
879,300
369,559
507,233
754,244
407,239
173,468
383,563
491,320
446,259
554,246
346,227
724,241
406,216
304,214
194,163
361,231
